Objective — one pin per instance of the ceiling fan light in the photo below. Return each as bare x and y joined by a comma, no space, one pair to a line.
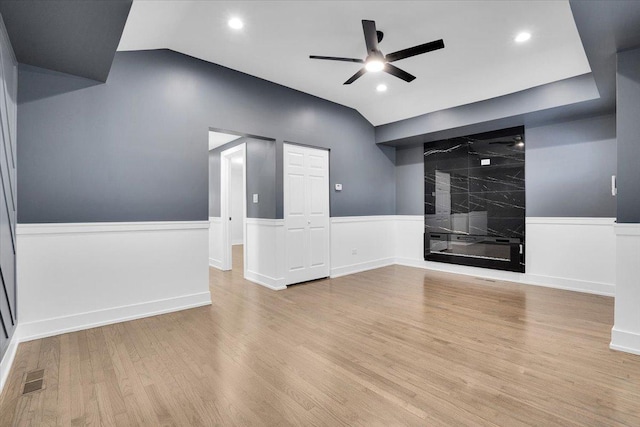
374,65
235,23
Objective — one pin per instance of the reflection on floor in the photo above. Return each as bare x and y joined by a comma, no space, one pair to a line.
392,346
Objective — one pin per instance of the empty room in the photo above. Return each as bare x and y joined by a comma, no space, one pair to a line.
374,213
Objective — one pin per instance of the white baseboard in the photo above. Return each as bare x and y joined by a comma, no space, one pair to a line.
464,270
626,341
7,360
360,267
264,280
585,286
77,322
215,263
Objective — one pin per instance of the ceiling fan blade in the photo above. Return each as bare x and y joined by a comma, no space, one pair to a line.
370,35
356,76
401,74
416,50
334,58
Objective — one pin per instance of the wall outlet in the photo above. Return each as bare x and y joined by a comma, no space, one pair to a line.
485,162
255,198
338,187
354,251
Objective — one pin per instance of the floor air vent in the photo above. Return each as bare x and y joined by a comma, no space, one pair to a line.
34,381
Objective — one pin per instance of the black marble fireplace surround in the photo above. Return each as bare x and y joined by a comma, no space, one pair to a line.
474,201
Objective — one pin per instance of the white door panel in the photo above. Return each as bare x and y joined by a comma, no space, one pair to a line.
306,213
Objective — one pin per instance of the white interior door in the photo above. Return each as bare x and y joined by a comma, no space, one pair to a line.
306,213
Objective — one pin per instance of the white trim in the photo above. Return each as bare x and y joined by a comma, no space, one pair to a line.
107,227
77,322
8,358
266,222
596,288
360,267
625,229
626,341
346,219
214,242
81,277
225,208
409,217
266,281
465,270
585,286
570,221
215,263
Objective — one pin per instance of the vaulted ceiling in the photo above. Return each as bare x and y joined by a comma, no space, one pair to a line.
481,59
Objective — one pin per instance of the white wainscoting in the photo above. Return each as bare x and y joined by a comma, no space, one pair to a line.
625,335
572,253
215,242
79,276
566,253
360,243
265,252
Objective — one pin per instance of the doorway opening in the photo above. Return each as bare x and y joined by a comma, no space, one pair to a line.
233,207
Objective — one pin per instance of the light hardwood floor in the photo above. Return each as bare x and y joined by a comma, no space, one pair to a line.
393,346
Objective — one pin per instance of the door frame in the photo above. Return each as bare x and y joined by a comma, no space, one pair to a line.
225,205
287,278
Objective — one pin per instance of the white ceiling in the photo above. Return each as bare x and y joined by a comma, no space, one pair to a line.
217,139
480,60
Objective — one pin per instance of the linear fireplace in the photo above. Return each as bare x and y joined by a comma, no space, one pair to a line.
475,200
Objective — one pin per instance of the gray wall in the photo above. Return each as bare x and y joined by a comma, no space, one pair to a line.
261,177
538,103
410,180
569,167
628,124
8,107
135,148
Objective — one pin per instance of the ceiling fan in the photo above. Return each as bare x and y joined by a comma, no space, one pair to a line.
377,61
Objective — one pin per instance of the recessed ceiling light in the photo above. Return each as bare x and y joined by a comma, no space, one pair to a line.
381,88
235,23
523,37
374,65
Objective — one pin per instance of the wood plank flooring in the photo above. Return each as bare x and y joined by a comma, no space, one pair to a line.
392,346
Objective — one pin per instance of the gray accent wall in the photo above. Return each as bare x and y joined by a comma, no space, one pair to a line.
569,167
8,107
410,180
628,124
496,113
70,36
135,148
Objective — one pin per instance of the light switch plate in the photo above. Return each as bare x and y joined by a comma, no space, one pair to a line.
255,198
338,187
